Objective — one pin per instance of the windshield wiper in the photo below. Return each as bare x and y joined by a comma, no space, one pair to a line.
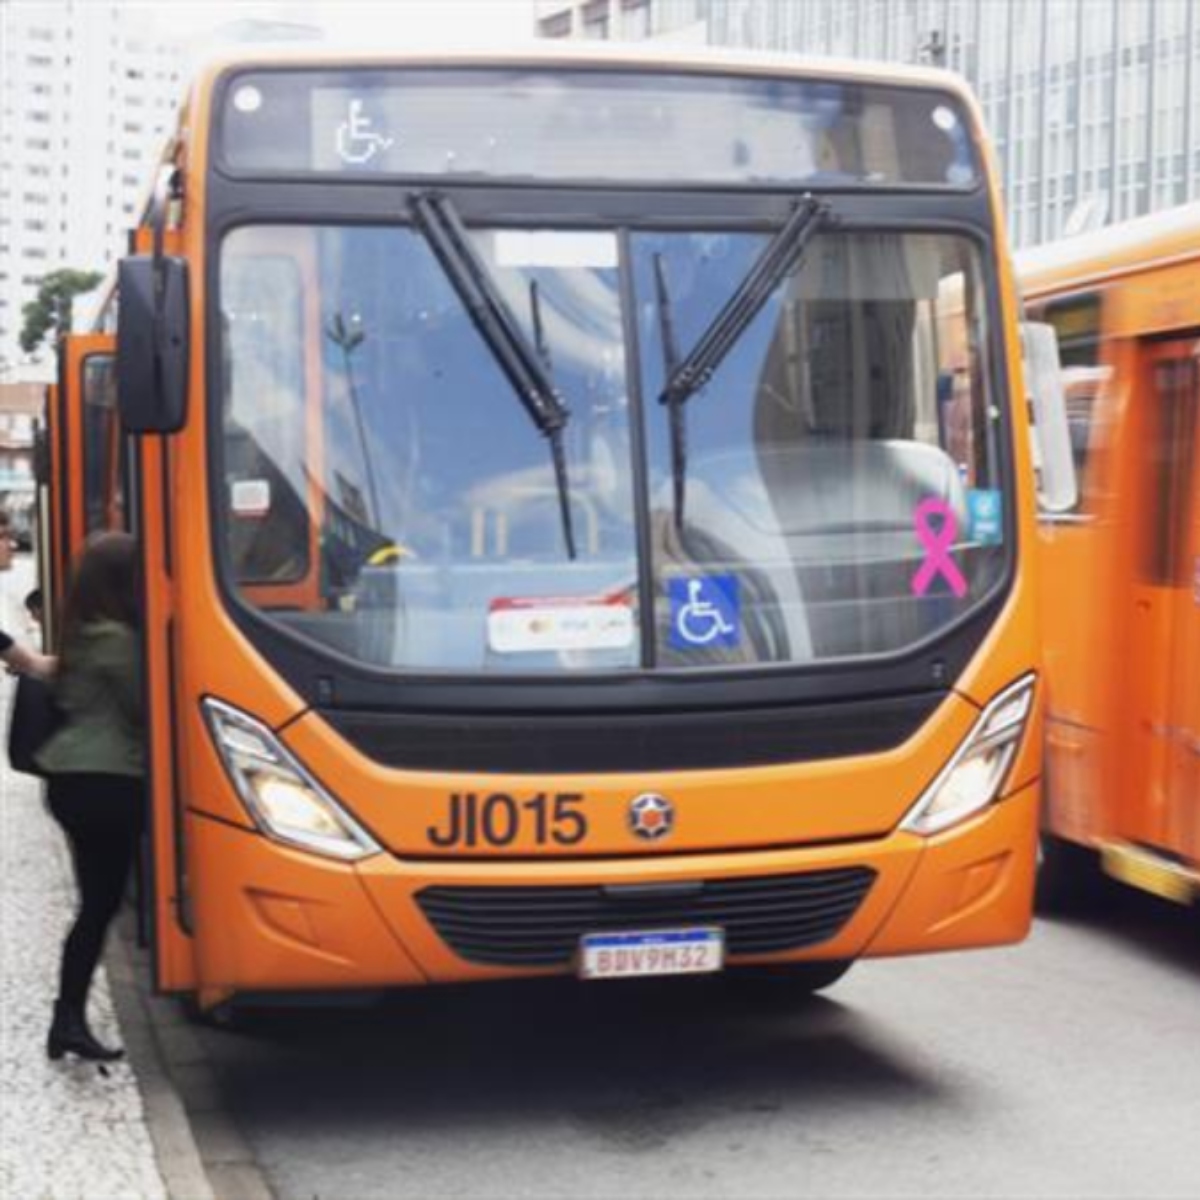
780,257
525,367
670,349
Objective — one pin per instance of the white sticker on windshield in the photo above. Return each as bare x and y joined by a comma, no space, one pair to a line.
554,248
250,497
529,624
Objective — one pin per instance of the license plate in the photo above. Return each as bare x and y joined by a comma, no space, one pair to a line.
654,952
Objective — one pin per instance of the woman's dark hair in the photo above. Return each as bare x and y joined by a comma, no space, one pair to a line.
103,584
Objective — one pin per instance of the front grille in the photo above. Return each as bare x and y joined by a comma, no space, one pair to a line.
541,926
548,740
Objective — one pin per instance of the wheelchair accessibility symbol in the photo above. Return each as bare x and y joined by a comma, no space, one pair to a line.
704,612
357,143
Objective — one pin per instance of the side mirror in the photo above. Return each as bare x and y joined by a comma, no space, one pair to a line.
1058,488
152,344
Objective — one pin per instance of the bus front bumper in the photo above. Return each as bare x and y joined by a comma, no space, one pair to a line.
279,919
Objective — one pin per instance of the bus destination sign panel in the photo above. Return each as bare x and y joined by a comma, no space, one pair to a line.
554,125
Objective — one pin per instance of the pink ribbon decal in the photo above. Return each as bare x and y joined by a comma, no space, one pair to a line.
937,543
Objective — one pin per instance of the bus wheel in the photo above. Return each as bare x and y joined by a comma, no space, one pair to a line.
1069,879
788,981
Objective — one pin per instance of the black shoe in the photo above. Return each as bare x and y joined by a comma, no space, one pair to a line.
70,1035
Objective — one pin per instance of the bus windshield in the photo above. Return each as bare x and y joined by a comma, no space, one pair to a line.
836,489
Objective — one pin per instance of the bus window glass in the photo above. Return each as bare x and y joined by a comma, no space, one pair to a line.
264,415
1077,322
857,399
441,536
849,402
1167,467
103,486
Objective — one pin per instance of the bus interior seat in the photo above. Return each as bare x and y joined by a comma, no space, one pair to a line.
720,537
837,518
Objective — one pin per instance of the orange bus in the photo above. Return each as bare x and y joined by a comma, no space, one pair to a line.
588,522
1121,572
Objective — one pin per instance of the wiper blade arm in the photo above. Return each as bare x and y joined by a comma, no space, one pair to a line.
778,259
670,349
439,224
558,455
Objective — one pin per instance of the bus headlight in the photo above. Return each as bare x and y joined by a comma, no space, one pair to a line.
286,802
975,776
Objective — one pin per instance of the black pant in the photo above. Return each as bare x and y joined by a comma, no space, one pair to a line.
102,816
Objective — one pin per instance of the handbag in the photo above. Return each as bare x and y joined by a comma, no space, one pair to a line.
34,718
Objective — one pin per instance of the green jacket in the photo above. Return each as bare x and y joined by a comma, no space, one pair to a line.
100,693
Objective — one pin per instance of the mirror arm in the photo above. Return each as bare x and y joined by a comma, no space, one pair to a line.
167,188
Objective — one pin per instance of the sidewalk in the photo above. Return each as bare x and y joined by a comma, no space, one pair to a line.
66,1131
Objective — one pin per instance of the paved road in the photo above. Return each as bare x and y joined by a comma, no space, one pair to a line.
1069,1066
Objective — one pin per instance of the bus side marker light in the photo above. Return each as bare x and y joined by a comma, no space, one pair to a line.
286,802
975,776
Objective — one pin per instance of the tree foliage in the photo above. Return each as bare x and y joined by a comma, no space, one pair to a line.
49,313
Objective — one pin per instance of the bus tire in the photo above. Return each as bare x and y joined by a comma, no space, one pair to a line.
1069,879
788,981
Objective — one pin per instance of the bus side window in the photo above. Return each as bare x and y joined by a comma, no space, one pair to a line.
268,527
103,499
1077,322
1173,414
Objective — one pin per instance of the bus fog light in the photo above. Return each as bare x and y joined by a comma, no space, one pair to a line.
975,776
286,802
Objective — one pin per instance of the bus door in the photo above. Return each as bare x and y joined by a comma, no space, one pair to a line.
151,480
1163,594
1183,779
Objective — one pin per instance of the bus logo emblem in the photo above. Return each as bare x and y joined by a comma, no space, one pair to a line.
651,816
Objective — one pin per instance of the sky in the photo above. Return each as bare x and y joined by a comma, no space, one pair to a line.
383,23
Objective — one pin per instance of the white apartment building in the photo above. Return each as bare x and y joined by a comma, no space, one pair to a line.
1093,105
87,100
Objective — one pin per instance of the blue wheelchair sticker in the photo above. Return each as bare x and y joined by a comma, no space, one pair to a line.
986,512
704,612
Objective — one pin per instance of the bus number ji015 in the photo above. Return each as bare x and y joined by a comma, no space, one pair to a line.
498,819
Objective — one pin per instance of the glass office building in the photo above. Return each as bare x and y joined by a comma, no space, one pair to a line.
1094,105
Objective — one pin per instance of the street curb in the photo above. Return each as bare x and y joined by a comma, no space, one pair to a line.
214,1161
175,1148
